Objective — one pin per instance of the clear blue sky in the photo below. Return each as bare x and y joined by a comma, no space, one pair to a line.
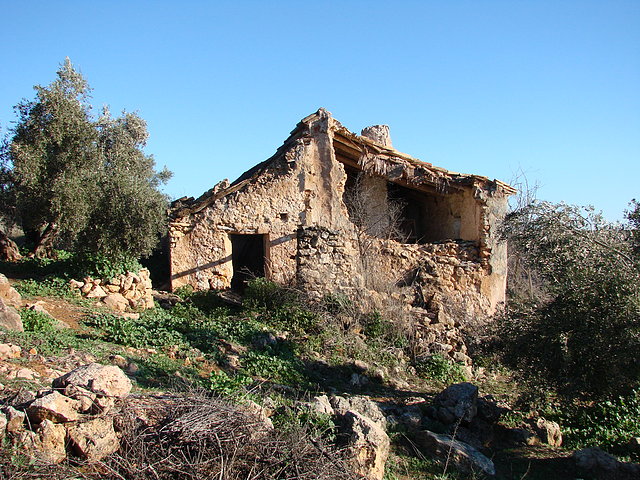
551,88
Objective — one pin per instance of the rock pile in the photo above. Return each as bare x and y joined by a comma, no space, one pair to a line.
74,418
132,290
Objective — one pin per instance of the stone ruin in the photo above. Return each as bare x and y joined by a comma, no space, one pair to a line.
335,212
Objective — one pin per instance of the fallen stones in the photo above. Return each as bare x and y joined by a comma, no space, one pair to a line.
94,439
8,294
463,456
593,461
103,380
9,318
8,350
55,407
457,402
69,420
549,432
368,445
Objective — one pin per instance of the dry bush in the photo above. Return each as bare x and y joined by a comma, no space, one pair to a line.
207,438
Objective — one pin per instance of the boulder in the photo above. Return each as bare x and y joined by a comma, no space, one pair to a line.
115,301
47,441
362,405
93,440
9,318
463,456
103,380
368,445
591,460
549,432
321,405
8,294
96,292
55,407
458,402
15,419
85,398
9,251
9,350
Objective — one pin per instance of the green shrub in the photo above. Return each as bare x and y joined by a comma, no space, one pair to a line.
265,294
37,321
609,424
49,287
222,384
437,367
138,333
102,266
276,368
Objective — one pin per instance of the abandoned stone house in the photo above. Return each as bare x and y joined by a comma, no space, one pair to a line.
333,211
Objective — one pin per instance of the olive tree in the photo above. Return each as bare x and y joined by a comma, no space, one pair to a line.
54,161
129,211
83,183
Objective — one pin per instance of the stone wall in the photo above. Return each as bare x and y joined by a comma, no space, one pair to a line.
124,292
326,258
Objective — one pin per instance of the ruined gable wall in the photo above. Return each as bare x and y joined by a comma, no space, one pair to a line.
301,188
274,204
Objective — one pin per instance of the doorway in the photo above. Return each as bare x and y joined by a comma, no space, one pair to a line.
247,258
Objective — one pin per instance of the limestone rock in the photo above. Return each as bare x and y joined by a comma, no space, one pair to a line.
321,405
117,302
593,459
3,425
368,446
9,318
103,380
457,402
549,432
48,441
85,398
9,350
93,440
362,405
8,294
9,251
463,456
96,292
55,407
15,419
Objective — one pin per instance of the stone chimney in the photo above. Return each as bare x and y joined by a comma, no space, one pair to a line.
379,134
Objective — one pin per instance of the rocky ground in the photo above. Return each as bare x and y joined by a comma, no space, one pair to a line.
86,410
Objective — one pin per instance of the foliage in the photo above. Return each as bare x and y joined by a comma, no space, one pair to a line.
98,265
53,156
49,287
129,210
277,367
633,219
224,385
36,321
584,333
79,183
437,367
279,307
138,332
608,424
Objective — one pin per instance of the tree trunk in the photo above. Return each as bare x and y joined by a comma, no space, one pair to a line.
44,246
9,251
